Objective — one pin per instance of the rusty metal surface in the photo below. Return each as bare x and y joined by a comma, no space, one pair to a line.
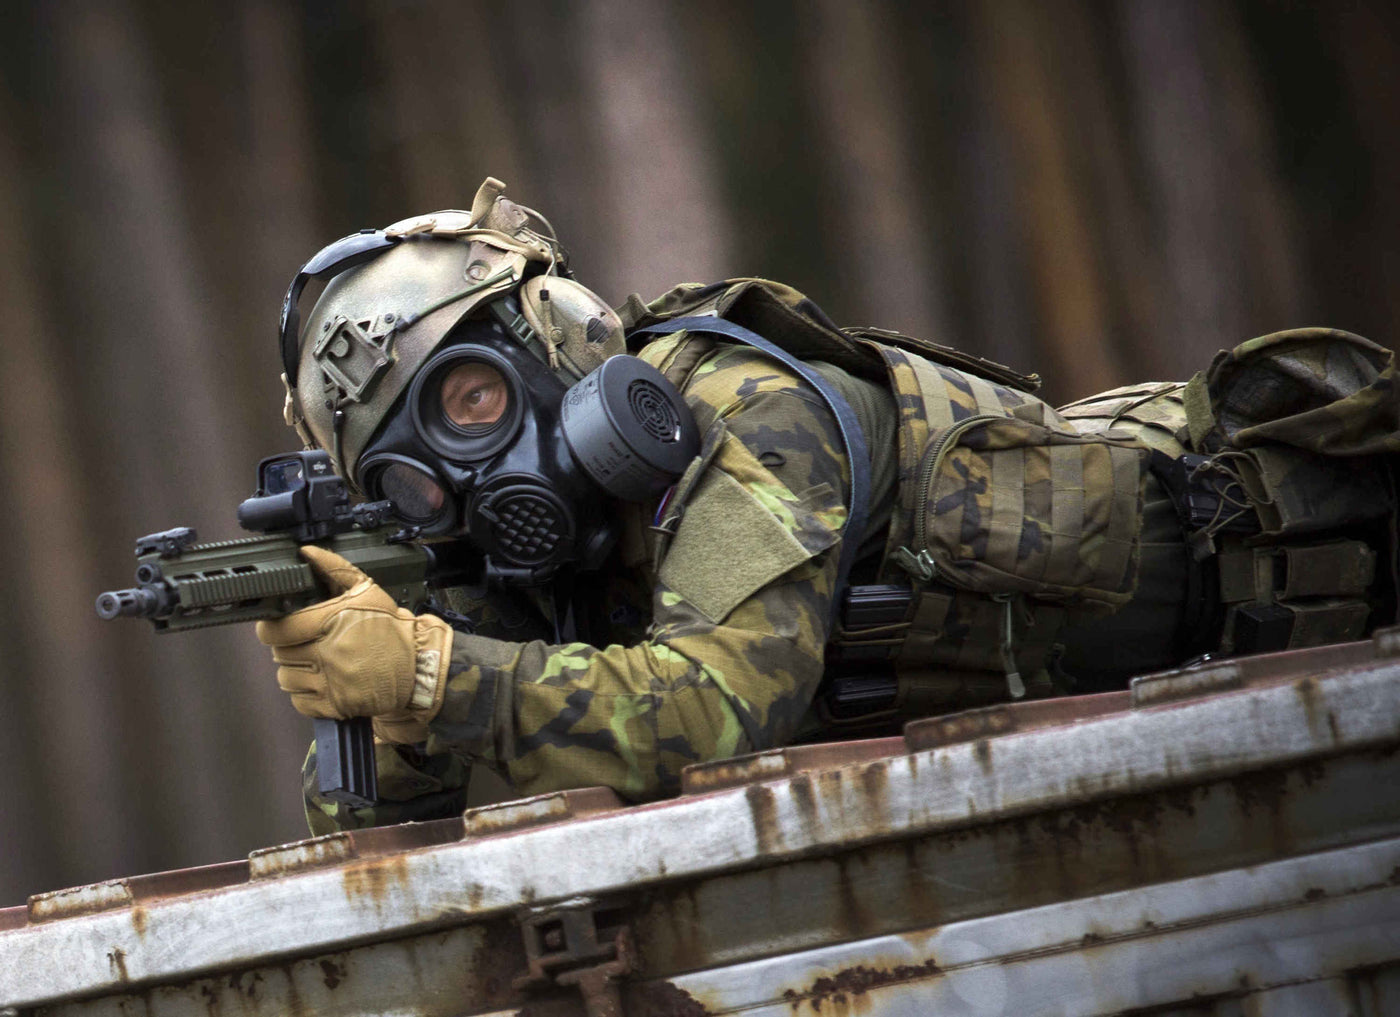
555,807
767,857
1020,862
1011,718
1291,934
775,764
426,976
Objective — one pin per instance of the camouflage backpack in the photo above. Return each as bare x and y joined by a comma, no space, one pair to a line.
1281,450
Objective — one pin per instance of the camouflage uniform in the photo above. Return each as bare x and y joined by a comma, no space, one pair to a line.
670,682
704,646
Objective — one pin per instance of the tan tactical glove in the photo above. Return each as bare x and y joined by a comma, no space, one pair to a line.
359,654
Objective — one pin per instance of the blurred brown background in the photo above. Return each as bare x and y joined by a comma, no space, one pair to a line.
1101,191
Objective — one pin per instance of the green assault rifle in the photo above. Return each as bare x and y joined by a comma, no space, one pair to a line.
183,585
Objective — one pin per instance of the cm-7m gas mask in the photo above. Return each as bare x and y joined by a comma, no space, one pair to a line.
448,368
488,443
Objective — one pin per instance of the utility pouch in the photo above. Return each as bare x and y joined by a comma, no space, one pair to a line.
1296,492
1305,419
1280,597
1320,390
1006,506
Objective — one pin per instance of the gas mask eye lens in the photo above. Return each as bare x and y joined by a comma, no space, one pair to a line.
474,396
466,404
417,496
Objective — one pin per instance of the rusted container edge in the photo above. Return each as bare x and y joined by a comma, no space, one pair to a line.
1211,935
750,827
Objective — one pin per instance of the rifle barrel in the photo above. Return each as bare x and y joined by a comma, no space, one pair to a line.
133,603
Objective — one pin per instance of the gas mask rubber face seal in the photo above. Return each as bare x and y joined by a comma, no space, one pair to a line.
490,445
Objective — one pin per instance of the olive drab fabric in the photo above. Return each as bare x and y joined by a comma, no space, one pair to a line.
1309,413
1317,389
1025,518
1303,425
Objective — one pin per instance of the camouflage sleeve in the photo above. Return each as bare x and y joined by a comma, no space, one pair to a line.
739,617
415,786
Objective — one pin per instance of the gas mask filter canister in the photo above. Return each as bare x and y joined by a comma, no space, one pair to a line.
629,429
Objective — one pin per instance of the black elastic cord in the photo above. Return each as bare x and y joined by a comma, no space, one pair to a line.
851,435
345,253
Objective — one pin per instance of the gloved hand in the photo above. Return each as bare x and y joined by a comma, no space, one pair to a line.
359,654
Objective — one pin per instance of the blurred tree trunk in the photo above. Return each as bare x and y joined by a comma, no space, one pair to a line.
1001,318
1177,117
755,112
448,100
1276,289
560,145
1076,354
655,177
1092,119
1370,39
64,787
165,441
880,217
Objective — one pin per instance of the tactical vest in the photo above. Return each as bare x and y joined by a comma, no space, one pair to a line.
1005,520
1012,519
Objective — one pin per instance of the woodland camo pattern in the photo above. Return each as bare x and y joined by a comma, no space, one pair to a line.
676,673
631,713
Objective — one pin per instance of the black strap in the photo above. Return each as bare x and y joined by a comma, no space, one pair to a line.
851,435
345,253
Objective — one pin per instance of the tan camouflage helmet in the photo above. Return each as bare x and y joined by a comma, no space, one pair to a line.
393,296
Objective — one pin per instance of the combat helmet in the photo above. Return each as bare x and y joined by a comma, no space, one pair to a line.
393,295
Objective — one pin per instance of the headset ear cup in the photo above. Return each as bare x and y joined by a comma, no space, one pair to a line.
629,428
575,321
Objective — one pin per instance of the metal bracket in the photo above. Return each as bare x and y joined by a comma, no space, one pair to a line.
354,355
586,946
167,543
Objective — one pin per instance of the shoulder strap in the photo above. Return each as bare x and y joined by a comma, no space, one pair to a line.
851,435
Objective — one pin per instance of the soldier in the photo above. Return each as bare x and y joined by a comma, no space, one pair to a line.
762,528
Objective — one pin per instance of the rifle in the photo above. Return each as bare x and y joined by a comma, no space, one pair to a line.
181,584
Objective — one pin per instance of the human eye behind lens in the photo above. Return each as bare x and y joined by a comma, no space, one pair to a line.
473,395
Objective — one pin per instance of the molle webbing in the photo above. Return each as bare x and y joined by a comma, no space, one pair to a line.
1007,519
1001,496
1271,528
1283,597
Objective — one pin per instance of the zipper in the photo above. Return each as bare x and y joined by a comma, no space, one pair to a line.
920,564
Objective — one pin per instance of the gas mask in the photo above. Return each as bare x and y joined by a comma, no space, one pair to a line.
454,367
491,445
